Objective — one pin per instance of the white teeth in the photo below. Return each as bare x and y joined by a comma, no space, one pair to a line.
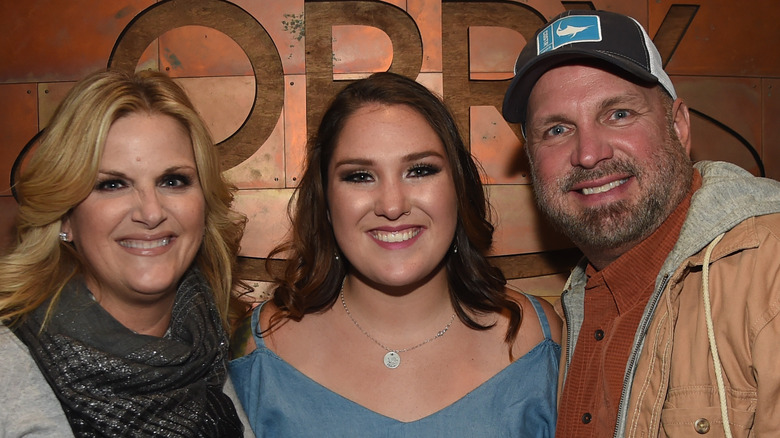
604,188
145,244
396,236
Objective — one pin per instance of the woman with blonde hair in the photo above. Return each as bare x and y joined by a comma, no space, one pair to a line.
117,297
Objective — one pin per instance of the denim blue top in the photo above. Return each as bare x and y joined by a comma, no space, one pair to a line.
280,401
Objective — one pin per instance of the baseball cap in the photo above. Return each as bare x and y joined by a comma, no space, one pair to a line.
616,39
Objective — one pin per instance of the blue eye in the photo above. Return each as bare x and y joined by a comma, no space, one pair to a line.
110,185
175,181
620,114
556,130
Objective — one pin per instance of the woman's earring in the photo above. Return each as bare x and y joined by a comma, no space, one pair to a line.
336,255
455,248
63,236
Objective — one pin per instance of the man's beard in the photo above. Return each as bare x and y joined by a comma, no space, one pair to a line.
662,187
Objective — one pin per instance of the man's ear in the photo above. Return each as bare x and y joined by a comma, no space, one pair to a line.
681,120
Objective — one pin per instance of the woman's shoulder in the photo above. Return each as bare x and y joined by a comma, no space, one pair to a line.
532,317
24,390
292,339
242,341
12,349
256,323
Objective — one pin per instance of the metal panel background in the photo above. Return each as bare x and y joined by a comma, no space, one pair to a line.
725,38
60,41
720,54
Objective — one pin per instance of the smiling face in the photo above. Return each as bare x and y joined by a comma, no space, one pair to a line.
142,225
609,163
391,196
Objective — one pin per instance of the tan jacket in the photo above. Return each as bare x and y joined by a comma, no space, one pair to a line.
670,386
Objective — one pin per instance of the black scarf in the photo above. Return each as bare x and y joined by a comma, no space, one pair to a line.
113,382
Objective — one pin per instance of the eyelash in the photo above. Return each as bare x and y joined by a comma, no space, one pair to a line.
624,113
114,184
415,171
357,177
103,186
183,180
427,169
552,131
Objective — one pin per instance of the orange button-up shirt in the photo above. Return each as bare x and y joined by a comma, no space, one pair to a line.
615,299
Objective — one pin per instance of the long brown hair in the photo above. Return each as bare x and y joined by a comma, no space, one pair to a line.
312,276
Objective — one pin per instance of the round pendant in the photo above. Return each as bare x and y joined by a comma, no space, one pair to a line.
392,359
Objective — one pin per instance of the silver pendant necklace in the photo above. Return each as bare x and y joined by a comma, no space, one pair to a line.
392,358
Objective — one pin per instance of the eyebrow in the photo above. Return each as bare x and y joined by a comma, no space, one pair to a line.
621,99
607,103
406,158
537,127
172,169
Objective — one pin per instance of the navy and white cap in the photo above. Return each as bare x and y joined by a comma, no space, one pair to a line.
613,38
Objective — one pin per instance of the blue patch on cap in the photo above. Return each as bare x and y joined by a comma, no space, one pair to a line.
568,30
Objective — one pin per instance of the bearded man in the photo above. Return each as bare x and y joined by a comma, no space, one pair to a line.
672,324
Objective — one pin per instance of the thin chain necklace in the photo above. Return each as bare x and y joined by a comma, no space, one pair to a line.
392,358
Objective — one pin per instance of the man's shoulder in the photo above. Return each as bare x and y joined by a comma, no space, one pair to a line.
770,222
758,230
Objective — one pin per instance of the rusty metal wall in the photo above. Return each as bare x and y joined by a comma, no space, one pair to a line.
281,60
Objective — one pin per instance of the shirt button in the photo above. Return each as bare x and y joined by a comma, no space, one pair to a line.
586,417
702,425
598,334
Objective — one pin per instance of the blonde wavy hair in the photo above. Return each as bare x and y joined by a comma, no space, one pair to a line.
62,172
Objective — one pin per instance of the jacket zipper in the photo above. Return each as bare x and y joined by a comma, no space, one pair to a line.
569,348
643,325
